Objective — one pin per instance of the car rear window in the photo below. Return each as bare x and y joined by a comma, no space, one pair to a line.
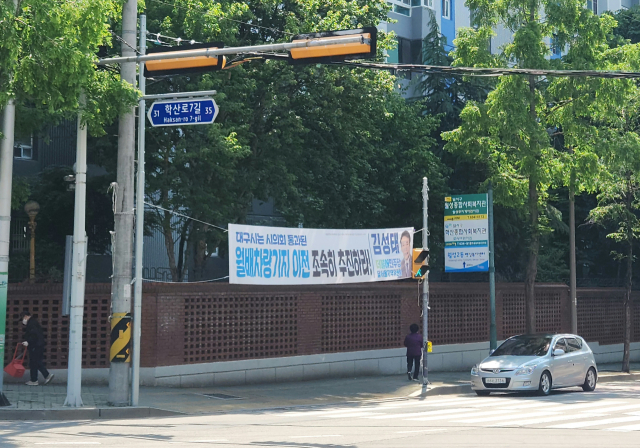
574,344
524,346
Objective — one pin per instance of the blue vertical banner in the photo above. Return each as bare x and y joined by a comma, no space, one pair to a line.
294,256
466,233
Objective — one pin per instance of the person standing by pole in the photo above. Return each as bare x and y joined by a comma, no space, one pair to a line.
35,343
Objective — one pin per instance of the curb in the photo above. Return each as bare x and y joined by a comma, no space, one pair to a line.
617,377
84,414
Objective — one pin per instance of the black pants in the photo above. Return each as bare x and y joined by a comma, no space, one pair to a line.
36,363
411,360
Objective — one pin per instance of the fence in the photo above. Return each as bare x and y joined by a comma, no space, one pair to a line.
200,323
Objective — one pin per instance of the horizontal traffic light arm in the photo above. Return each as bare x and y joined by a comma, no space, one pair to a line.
213,52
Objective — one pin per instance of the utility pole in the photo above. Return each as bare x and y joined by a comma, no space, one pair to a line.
137,299
78,269
493,334
425,284
6,176
123,244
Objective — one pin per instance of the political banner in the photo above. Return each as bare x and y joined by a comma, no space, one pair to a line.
295,256
466,233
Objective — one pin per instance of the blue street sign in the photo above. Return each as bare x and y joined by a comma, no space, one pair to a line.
183,112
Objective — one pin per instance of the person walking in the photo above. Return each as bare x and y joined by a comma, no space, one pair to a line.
34,341
413,342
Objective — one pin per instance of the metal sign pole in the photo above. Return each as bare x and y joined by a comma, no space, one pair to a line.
493,337
425,284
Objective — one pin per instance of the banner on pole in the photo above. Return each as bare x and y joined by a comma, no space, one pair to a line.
466,233
293,256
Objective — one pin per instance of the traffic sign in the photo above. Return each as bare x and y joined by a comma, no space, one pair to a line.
183,112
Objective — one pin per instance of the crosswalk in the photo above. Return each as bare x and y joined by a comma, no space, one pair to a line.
563,411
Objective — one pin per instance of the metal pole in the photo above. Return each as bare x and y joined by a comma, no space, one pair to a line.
137,298
32,249
493,334
572,256
211,52
78,269
6,176
425,284
119,371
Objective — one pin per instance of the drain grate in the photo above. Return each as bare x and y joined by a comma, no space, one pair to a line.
222,396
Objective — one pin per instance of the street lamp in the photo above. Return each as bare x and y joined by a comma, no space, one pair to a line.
32,208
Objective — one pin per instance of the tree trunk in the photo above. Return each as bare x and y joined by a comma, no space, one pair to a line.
169,244
627,297
534,243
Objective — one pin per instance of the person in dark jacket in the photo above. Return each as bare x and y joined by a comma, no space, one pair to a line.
413,342
34,341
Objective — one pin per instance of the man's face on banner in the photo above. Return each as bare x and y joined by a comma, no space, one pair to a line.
405,245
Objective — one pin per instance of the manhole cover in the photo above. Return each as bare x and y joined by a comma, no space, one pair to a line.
222,396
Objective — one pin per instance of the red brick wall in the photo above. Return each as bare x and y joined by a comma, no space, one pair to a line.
196,323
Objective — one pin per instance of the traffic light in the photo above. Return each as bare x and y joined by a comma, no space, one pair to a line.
420,262
366,48
177,66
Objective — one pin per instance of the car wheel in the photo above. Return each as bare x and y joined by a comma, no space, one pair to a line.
483,393
545,383
590,380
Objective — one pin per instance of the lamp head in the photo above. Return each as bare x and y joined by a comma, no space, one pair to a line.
32,208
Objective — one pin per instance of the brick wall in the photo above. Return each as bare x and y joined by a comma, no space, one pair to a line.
199,323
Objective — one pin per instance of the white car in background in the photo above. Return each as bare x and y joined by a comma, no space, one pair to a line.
537,362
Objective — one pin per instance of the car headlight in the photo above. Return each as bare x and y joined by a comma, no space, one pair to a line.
526,370
475,369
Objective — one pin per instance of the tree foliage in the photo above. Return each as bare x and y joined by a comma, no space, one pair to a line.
333,146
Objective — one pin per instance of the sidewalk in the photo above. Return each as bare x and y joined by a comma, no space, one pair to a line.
46,402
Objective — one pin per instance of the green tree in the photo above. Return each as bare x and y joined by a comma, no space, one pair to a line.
333,146
628,27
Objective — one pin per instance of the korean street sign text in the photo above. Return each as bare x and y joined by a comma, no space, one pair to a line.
466,233
183,112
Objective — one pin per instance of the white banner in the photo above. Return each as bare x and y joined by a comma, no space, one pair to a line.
289,256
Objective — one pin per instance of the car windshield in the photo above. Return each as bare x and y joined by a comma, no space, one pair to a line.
524,346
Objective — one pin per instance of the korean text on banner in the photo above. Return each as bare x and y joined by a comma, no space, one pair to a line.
466,233
292,256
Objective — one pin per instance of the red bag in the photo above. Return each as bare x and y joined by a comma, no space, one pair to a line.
16,367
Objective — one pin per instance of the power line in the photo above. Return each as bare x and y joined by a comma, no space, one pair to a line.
124,41
199,281
185,216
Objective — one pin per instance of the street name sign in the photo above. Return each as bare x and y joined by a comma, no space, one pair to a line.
183,112
466,233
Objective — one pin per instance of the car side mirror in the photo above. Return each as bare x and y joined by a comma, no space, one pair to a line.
558,352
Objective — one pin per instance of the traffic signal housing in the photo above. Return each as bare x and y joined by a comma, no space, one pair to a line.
420,263
178,66
364,49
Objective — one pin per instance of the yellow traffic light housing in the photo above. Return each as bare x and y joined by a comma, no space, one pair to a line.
177,66
364,49
420,263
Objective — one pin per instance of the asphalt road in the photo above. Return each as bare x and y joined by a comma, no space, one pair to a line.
608,417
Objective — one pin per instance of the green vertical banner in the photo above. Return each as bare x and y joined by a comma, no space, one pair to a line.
4,284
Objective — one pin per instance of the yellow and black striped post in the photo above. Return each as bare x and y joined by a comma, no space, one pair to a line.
120,337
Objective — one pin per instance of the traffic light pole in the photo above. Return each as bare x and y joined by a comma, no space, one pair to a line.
425,284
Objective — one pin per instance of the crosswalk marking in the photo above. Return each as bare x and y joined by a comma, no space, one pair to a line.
547,419
493,418
560,411
607,421
625,428
467,413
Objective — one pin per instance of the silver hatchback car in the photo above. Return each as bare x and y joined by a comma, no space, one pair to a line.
538,362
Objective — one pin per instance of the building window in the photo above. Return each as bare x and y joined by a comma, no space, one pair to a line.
446,9
402,10
23,152
593,6
428,3
556,51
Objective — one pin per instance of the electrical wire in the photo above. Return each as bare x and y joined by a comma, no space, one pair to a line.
199,281
124,41
185,216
